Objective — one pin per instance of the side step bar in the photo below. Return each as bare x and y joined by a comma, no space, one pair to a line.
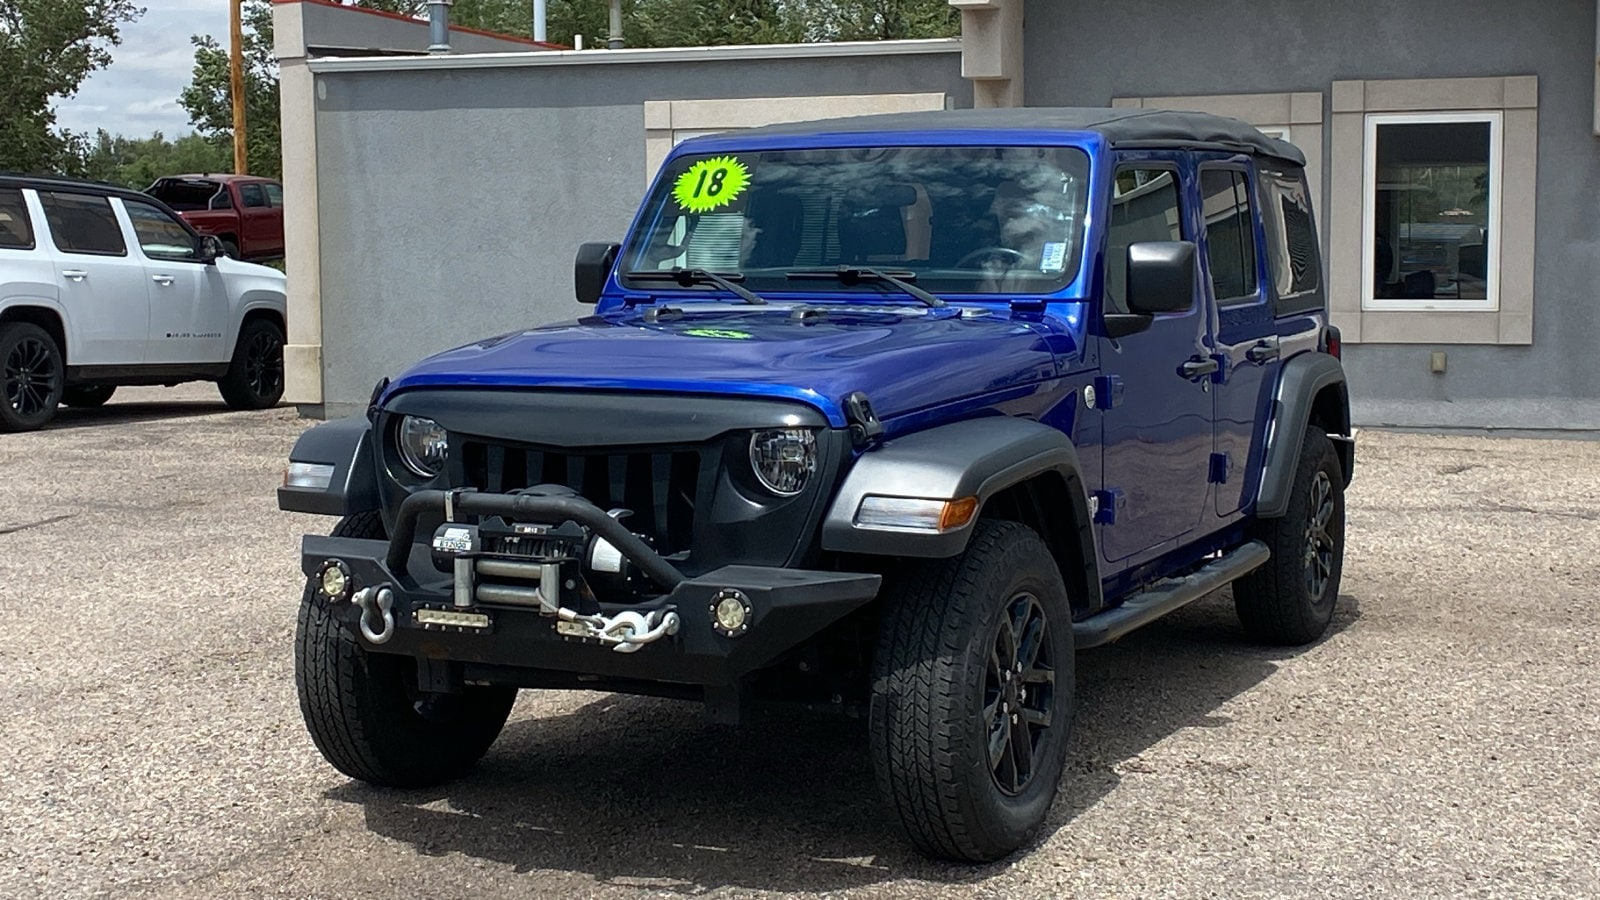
1166,596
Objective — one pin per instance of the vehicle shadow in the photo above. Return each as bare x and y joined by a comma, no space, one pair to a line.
138,411
642,792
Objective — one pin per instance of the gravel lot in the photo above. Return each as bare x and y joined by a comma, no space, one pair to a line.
1443,741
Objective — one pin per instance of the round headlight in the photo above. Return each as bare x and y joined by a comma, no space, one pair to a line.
784,460
422,444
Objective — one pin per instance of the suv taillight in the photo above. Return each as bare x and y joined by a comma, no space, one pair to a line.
1331,344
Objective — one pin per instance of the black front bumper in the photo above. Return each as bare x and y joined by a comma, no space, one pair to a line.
787,606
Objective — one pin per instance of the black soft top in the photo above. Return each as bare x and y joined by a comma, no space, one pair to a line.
1128,128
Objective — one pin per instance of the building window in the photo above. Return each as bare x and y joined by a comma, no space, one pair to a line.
1431,208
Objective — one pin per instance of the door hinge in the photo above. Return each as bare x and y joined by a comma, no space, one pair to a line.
1104,393
1221,464
1105,504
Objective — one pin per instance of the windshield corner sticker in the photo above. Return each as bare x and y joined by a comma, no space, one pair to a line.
711,184
1054,258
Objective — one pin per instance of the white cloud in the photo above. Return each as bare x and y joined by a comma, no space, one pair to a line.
138,93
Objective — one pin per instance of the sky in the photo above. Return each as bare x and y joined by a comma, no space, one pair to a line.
138,93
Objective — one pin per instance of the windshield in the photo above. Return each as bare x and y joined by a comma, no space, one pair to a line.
953,219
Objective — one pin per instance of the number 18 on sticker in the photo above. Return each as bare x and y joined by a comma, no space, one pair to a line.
711,184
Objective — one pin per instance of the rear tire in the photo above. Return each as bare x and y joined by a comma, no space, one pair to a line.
1289,601
32,376
88,396
364,711
255,376
968,781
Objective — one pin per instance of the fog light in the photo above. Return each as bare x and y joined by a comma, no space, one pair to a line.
730,613
334,579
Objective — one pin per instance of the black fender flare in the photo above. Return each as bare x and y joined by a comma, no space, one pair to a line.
346,445
973,458
1301,379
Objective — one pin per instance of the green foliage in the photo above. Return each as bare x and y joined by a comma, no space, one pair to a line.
137,163
47,49
209,96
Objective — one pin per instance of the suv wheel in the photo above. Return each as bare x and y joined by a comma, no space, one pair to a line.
88,396
972,695
32,375
255,377
364,710
1290,599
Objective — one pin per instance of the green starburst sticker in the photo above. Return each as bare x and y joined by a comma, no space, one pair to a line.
711,184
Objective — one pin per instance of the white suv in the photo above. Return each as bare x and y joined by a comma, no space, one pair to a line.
101,286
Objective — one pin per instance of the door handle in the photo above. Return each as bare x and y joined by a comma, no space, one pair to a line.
74,274
1264,351
161,279
1198,368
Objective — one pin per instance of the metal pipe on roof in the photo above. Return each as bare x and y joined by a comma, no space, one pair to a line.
439,25
615,40
538,20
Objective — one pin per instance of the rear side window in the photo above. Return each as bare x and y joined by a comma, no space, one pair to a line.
1291,239
16,231
1230,234
252,196
80,223
1144,207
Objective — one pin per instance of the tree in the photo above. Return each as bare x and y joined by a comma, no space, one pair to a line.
209,96
47,49
138,162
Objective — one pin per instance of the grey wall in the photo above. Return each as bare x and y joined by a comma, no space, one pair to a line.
1085,54
451,202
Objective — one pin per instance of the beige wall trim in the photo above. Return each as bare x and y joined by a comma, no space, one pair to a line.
639,55
1517,99
991,50
1301,113
663,118
302,236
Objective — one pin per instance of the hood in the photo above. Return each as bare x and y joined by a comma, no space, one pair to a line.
251,275
902,359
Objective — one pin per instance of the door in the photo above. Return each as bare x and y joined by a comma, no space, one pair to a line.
1157,437
102,285
188,300
274,236
260,225
1247,340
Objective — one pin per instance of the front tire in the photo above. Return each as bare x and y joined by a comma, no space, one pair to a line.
32,376
1289,600
972,695
364,711
255,376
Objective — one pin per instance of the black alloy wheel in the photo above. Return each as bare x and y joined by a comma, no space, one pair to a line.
1018,691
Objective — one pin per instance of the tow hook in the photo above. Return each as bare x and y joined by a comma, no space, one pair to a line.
626,631
377,613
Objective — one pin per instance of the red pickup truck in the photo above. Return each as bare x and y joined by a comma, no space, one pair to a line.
246,212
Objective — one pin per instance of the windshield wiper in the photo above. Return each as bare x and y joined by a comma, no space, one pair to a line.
851,275
692,277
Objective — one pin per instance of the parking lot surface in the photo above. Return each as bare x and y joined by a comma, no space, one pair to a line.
1442,741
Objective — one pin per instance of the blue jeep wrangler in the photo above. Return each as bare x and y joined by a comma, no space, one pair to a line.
890,415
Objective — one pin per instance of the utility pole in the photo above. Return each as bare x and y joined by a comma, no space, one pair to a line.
236,84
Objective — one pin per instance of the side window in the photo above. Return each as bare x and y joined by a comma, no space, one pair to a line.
274,194
80,223
160,236
1291,239
252,196
1230,234
1144,207
16,231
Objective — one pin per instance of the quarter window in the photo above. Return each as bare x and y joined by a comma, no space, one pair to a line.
80,223
160,236
1291,238
1432,198
1144,207
1230,234
274,194
252,196
16,232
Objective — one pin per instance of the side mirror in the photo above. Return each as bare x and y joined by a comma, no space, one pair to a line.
593,267
1161,277
211,248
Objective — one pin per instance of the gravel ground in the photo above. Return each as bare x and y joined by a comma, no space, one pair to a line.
1442,741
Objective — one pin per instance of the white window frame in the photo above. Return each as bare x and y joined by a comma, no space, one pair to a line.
1369,226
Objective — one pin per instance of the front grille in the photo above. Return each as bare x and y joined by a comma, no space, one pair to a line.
660,488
